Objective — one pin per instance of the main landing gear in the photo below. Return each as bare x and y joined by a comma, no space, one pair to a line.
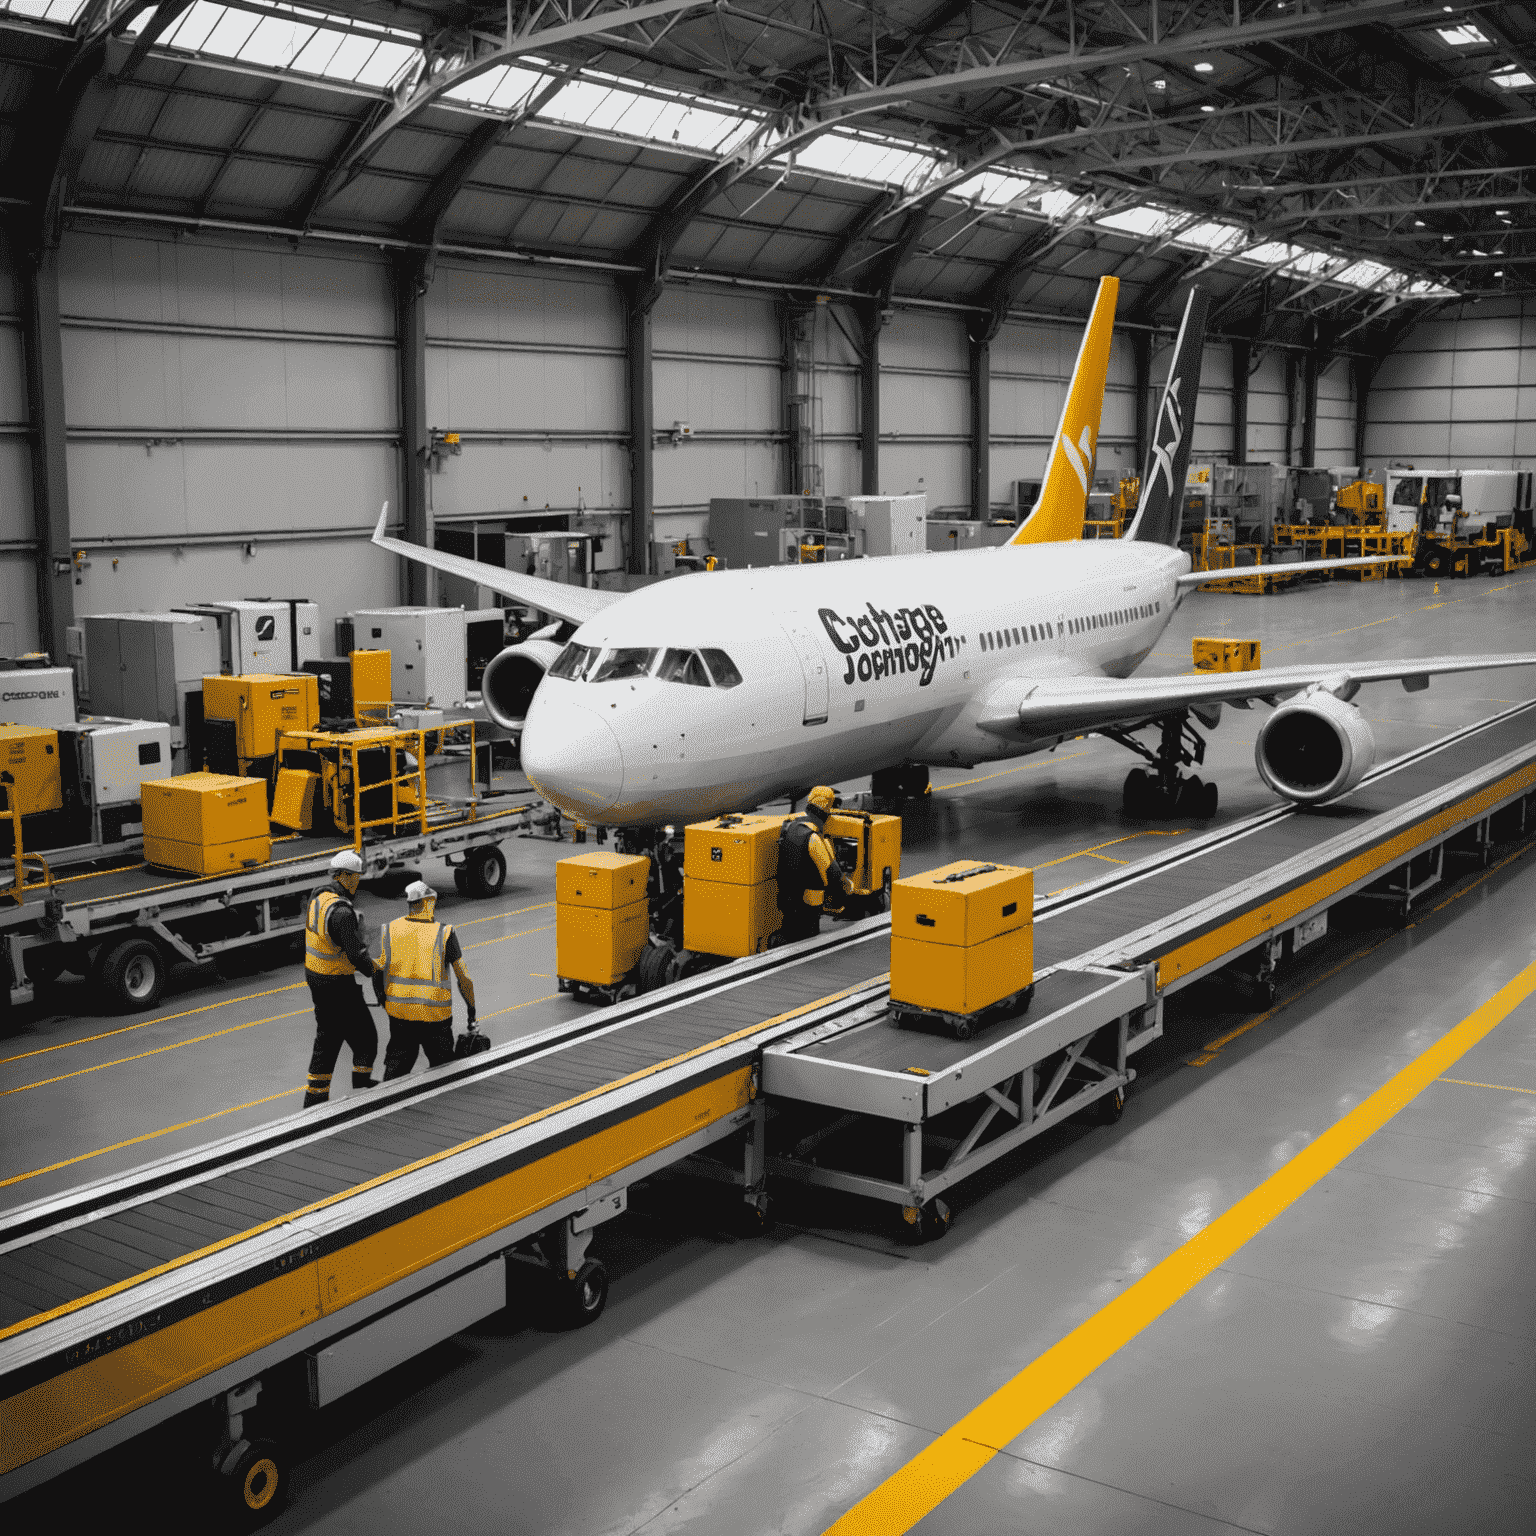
1161,791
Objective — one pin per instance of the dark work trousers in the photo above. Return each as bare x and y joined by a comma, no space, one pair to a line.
407,1036
341,1018
800,922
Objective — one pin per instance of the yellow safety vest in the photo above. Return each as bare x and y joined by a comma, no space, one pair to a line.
415,977
323,956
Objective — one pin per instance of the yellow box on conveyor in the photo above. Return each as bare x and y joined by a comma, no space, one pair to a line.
727,918
209,858
605,880
963,904
1226,655
205,809
30,754
600,945
733,850
262,704
947,978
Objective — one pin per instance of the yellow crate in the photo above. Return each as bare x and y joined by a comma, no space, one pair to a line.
1226,655
205,809
293,799
207,859
370,681
600,945
949,979
262,704
604,880
724,918
30,754
964,903
867,871
733,850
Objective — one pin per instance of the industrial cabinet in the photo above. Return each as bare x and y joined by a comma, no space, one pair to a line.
267,634
427,645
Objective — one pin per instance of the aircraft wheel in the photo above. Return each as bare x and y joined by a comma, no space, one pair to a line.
1189,798
1137,793
1209,800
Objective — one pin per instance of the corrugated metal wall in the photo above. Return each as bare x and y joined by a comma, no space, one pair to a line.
1459,390
18,578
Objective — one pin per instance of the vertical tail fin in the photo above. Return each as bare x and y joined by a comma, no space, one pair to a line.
1058,514
1160,508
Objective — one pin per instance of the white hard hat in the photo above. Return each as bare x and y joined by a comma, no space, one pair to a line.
419,890
346,863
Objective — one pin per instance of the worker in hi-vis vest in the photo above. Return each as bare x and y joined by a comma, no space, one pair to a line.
413,976
806,864
334,953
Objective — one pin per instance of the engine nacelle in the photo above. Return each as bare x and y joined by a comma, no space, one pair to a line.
1314,748
512,676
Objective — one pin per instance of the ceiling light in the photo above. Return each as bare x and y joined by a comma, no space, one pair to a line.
1512,79
1204,68
1207,108
1463,36
1499,273
1418,223
1159,85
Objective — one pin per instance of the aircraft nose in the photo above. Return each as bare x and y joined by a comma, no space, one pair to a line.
572,758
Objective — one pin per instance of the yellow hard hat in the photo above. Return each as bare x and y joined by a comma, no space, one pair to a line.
823,797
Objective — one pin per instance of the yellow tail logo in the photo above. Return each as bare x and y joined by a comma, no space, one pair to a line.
1058,514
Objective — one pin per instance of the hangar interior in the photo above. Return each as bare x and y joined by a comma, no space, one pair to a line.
572,271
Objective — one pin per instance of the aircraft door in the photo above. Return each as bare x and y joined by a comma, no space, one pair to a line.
813,664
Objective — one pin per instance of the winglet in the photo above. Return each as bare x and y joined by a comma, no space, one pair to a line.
1058,514
378,532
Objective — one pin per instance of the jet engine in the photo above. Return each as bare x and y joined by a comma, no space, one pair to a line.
1314,747
511,677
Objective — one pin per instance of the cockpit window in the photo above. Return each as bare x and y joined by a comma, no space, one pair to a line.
620,662
573,662
722,669
683,667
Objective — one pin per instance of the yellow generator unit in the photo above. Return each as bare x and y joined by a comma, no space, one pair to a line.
602,919
1364,500
30,755
962,943
261,706
1226,655
206,823
730,884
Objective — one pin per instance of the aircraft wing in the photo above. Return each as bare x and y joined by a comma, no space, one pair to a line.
1026,709
1299,568
577,604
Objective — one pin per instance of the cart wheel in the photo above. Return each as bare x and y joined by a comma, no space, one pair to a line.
46,963
133,973
925,1223
461,881
1109,1109
584,1298
657,966
485,871
256,1487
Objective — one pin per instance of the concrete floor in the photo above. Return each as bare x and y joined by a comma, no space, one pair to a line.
1364,1362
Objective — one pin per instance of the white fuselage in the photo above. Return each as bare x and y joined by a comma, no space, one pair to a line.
845,669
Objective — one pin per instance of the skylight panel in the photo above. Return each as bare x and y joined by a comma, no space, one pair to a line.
1138,221
192,30
1058,202
1464,36
61,11
999,188
860,158
501,89
605,105
276,43
1212,236
1512,79
230,33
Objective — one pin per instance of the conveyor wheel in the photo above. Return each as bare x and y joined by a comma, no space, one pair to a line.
1110,1107
255,1487
925,1223
585,1296
485,871
133,973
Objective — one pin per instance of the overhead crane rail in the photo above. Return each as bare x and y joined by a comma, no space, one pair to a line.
333,1245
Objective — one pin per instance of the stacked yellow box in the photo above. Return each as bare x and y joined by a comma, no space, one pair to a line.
962,937
602,916
1226,655
30,754
730,884
206,823
873,854
262,705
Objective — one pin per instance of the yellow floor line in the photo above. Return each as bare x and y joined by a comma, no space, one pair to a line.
549,997
521,934
910,1494
497,917
1462,1082
1067,858
165,1130
43,1082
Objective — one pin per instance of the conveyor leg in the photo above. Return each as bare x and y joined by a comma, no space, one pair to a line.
754,1160
237,1402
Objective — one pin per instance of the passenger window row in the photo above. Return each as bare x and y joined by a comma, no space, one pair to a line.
1113,617
1022,634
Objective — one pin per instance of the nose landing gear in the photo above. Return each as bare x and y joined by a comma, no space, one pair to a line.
1163,792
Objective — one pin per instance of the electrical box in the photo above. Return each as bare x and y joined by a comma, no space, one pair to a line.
262,705
749,531
890,525
427,646
953,533
604,880
151,666
1226,655
729,919
268,634
733,850
117,756
353,688
38,696
30,755
205,809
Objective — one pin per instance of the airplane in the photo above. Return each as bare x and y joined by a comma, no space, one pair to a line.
718,691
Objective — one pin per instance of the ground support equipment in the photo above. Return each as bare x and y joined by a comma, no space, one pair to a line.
288,1265
961,1026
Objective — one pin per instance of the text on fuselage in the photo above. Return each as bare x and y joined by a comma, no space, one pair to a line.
881,643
